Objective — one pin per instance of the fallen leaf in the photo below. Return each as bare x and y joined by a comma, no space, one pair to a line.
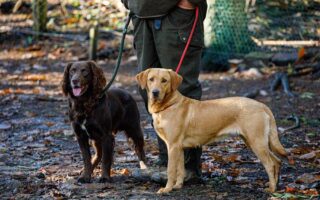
36,77
68,133
307,178
125,172
30,114
232,158
49,169
301,53
113,172
307,95
301,150
5,126
234,172
71,20
291,160
308,156
49,124
311,192
35,91
39,67
6,91
290,189
217,157
19,91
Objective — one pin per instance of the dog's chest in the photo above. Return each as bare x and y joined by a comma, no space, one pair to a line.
160,126
83,126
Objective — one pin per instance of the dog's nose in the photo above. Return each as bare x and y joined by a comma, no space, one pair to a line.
75,81
155,93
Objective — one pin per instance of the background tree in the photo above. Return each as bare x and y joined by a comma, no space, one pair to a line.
39,15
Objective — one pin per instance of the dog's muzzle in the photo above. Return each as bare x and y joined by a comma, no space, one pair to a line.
155,93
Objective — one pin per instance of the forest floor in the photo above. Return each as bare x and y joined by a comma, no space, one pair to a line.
40,157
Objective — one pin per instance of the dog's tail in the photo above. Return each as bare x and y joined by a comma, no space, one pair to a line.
274,141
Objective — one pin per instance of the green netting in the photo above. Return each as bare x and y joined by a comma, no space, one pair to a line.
230,29
226,31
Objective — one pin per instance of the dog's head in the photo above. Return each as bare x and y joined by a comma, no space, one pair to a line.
81,78
159,82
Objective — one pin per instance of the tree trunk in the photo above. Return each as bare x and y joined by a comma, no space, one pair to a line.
39,15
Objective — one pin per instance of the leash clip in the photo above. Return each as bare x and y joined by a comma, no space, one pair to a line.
157,24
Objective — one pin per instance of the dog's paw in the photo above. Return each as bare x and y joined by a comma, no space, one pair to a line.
84,179
177,186
143,165
164,190
270,190
105,180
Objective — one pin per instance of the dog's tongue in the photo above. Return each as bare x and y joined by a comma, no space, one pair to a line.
76,91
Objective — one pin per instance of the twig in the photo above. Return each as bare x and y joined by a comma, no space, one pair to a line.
296,124
296,43
17,6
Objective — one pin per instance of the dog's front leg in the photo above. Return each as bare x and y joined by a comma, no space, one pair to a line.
107,157
180,169
173,153
83,141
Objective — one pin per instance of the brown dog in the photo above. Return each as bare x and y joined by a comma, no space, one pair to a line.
99,117
183,122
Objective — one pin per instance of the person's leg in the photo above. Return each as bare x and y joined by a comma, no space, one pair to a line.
147,57
170,42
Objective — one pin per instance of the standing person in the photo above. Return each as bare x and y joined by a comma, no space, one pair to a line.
161,30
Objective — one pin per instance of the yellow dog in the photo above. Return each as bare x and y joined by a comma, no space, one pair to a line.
183,122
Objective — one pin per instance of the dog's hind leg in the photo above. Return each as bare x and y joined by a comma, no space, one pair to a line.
274,142
136,135
267,161
98,154
259,145
277,163
107,143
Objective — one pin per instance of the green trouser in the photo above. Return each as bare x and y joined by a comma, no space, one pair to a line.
159,42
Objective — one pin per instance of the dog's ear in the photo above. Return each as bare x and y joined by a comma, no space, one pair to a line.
98,79
176,80
65,85
142,78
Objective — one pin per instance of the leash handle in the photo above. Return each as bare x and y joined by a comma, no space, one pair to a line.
124,33
189,40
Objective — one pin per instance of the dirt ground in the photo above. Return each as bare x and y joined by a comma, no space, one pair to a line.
40,158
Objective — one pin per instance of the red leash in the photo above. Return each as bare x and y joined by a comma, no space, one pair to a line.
189,40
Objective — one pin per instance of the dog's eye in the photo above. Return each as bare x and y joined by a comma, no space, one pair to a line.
84,72
151,79
72,71
163,80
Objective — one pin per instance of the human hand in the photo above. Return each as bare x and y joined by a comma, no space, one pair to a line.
185,4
